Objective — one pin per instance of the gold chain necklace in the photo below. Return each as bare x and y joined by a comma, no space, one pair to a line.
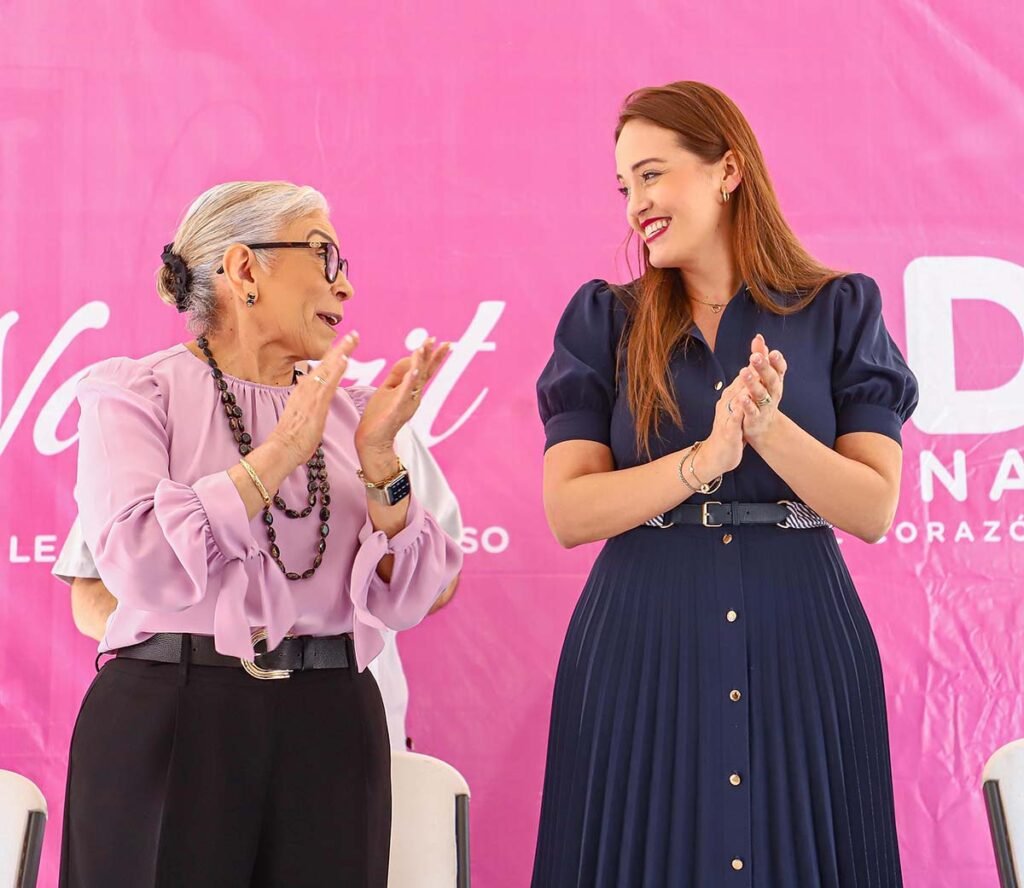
716,307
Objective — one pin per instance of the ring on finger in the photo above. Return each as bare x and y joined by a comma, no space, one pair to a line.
767,399
416,393
320,379
728,406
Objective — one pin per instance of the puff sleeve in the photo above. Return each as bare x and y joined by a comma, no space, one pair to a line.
873,389
576,390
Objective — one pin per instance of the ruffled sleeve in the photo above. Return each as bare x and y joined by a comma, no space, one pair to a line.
576,390
159,544
426,561
873,389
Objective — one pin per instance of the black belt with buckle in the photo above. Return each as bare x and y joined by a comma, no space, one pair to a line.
295,653
785,514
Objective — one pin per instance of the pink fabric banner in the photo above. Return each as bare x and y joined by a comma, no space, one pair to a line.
467,154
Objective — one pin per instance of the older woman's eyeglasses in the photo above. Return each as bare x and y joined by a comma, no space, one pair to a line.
333,263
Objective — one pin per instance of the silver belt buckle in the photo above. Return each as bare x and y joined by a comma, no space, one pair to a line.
260,634
704,517
785,523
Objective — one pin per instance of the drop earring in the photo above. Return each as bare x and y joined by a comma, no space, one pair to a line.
251,301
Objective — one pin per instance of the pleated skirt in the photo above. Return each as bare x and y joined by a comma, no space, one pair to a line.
718,719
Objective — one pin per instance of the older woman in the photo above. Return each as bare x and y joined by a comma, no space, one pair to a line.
254,525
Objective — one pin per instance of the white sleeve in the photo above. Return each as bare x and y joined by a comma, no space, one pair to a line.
429,482
75,559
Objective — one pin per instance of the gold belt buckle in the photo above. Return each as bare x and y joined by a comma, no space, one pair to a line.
260,634
704,517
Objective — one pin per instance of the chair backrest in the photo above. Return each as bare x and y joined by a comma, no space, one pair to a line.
22,822
1003,786
429,823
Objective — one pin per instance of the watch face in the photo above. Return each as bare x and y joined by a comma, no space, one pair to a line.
398,489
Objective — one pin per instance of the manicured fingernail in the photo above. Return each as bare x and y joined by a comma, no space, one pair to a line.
352,335
758,359
415,372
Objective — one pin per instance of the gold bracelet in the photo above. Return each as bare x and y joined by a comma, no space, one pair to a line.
706,487
372,484
682,477
251,472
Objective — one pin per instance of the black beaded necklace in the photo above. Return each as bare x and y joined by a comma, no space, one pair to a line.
316,474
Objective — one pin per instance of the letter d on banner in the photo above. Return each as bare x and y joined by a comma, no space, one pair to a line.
930,285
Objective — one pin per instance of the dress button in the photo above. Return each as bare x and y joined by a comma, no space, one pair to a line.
735,779
727,538
735,696
737,864
731,616
718,386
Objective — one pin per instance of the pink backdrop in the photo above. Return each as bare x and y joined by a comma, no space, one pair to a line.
467,153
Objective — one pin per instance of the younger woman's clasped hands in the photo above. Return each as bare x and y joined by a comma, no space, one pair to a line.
757,390
745,411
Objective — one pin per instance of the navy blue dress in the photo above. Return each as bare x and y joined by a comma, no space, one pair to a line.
658,774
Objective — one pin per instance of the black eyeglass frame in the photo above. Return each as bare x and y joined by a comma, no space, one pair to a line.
327,246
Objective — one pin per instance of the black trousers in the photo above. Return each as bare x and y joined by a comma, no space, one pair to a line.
204,776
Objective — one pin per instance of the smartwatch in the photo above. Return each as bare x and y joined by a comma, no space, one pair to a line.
391,491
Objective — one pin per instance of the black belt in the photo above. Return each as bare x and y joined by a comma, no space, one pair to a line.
716,514
293,654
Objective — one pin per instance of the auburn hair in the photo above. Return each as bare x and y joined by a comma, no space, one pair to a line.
766,251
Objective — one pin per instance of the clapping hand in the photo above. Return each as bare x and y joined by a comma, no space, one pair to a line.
396,400
761,384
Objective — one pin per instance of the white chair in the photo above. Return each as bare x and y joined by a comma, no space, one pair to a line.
1003,785
22,823
429,823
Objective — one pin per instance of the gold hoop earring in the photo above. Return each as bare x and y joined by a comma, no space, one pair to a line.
725,195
